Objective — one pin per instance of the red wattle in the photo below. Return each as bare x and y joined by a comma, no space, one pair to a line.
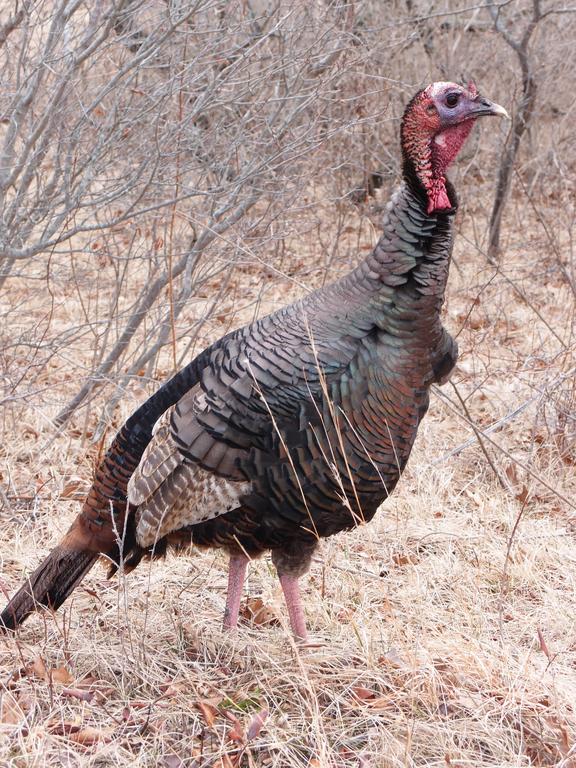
438,201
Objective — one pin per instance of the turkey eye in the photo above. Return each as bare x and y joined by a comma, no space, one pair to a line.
452,99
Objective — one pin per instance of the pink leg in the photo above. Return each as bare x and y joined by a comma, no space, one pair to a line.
291,590
236,575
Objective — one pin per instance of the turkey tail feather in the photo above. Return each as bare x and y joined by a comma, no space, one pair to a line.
48,586
102,521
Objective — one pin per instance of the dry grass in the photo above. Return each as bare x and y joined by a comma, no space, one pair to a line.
443,631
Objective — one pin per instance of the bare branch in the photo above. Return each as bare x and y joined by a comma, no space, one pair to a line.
520,121
8,27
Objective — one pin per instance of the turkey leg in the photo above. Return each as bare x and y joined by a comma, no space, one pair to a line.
236,576
292,561
291,589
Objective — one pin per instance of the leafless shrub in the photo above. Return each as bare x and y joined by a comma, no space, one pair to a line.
169,171
141,134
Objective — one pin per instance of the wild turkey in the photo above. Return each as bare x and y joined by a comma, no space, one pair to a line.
298,425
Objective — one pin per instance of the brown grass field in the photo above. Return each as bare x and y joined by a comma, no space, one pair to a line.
443,633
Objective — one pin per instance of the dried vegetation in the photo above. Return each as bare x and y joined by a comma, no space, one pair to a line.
444,632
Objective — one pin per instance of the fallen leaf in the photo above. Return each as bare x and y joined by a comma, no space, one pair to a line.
511,471
38,668
523,495
543,646
345,615
88,680
257,612
174,689
387,607
256,724
236,733
91,592
371,698
65,727
564,741
382,702
10,710
90,735
142,703
363,694
60,675
476,323
74,489
50,675
208,712
404,558
78,693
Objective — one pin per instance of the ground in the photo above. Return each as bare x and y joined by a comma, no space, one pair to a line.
442,634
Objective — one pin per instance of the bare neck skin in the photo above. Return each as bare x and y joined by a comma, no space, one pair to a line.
428,154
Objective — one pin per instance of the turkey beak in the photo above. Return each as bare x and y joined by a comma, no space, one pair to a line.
482,106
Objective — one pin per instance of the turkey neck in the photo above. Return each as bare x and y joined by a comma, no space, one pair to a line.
403,281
